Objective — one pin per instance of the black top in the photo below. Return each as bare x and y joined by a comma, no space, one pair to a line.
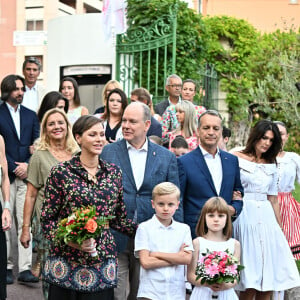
110,134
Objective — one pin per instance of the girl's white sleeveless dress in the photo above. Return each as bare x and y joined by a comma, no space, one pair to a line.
202,292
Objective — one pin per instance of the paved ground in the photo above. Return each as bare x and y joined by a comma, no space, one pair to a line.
22,291
33,291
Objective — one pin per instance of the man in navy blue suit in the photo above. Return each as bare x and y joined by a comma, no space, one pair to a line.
144,165
208,172
19,127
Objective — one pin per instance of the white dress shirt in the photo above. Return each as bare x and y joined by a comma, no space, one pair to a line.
166,283
31,98
138,159
214,165
15,114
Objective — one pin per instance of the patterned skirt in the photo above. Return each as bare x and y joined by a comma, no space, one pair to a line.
290,218
77,277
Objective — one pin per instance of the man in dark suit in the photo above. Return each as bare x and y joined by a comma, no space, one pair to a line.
173,87
208,172
19,127
142,95
144,165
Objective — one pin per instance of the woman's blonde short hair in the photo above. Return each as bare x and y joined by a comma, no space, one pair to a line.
165,188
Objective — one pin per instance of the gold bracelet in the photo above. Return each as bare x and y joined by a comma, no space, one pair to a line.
25,225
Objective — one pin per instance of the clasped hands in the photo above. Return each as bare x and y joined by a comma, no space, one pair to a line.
88,245
21,170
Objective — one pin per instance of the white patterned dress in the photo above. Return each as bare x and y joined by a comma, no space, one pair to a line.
202,292
265,253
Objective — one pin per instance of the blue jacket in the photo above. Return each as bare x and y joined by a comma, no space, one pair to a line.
155,128
17,150
161,166
196,184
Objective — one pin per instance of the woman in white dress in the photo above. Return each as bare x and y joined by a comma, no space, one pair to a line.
288,164
269,264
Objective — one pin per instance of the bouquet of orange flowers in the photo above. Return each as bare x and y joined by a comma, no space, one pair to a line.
82,224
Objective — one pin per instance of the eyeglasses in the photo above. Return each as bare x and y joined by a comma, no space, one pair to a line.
179,86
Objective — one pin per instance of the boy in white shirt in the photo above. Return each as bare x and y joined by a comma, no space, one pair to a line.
163,246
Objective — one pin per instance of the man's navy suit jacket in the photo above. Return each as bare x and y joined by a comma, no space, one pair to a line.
155,128
17,150
161,166
196,184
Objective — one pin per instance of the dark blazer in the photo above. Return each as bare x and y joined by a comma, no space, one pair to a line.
161,166
17,150
196,184
100,110
155,128
161,107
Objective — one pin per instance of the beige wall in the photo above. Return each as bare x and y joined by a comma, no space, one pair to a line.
13,16
7,27
265,15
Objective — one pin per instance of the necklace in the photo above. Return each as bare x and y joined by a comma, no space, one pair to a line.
91,176
90,167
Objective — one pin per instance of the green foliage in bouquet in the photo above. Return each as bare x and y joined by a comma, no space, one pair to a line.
82,224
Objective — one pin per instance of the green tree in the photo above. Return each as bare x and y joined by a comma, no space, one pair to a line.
190,45
257,71
276,96
276,69
231,44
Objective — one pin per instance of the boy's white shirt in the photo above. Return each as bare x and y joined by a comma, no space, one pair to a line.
166,282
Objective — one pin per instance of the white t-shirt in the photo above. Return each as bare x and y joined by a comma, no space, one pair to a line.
31,98
166,283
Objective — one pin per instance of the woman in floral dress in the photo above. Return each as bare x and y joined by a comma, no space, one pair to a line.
84,180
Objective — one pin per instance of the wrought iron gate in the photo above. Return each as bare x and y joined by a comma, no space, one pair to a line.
209,84
146,56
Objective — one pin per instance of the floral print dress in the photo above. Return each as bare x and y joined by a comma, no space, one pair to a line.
69,186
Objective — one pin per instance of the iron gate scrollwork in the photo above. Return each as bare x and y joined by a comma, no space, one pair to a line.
145,56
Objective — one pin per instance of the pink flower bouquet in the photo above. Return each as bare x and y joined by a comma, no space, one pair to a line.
82,224
218,267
